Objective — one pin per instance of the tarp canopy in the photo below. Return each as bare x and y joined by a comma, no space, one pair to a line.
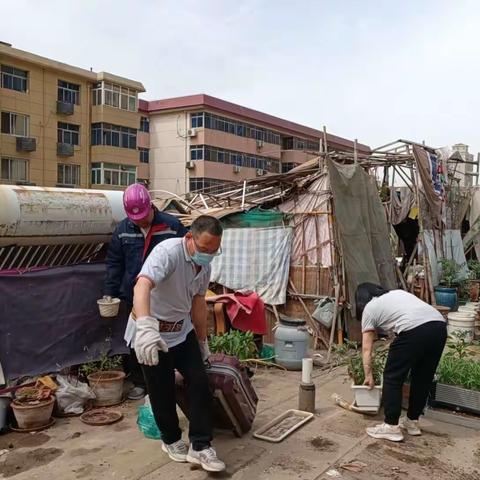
50,320
362,226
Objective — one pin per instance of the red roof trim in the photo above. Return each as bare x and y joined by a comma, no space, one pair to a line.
201,100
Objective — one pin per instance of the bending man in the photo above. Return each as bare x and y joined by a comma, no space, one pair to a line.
421,333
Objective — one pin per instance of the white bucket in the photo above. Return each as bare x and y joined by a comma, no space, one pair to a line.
462,321
108,308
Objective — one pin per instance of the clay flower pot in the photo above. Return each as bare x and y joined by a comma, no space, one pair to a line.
31,415
107,386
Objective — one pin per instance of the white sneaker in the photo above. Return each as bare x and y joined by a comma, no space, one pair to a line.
386,431
207,458
411,426
177,451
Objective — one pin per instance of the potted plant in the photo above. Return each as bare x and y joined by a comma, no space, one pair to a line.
352,357
474,281
33,407
106,379
458,376
446,292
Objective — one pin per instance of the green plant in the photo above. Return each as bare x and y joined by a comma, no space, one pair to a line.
236,343
457,346
461,372
457,367
474,267
103,364
449,271
351,355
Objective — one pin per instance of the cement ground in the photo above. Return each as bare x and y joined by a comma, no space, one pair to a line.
72,450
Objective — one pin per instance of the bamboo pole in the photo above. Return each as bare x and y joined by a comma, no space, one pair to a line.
333,329
426,259
313,323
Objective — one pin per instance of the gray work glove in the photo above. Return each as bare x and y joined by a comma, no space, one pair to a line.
204,349
107,298
148,341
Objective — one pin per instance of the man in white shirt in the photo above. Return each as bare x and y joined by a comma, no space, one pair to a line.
421,333
170,332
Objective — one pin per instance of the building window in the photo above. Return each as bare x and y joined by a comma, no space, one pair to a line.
14,78
144,155
15,124
213,154
145,124
14,169
97,94
68,92
228,125
210,185
114,135
105,93
196,120
288,166
196,153
68,133
68,174
113,174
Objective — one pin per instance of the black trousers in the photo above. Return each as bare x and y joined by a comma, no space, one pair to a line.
417,351
187,359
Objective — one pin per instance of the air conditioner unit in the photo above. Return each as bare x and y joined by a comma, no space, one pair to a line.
259,144
260,172
190,164
26,144
65,149
236,168
64,108
192,132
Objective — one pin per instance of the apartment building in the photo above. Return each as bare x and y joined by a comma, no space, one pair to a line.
66,126
465,171
202,142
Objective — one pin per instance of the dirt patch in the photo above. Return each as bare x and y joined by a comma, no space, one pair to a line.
18,462
410,459
347,425
406,458
323,444
284,462
75,435
79,452
24,440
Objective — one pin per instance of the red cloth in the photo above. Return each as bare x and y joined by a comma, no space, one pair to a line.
245,311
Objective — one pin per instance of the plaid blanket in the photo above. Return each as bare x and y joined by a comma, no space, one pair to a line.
256,259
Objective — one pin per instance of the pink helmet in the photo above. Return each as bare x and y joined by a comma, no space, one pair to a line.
137,202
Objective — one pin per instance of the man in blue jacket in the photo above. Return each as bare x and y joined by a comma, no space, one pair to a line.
131,242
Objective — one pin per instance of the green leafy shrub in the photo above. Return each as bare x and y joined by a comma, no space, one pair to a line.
457,367
449,270
104,364
350,354
236,343
474,267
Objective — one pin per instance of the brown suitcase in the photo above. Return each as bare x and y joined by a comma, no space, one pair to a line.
235,400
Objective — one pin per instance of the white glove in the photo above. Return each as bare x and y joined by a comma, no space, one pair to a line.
148,341
204,349
107,298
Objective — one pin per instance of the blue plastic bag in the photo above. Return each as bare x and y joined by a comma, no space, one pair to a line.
146,423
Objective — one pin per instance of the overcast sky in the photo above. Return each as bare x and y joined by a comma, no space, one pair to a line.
374,70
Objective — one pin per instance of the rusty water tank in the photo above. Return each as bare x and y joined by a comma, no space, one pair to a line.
40,215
